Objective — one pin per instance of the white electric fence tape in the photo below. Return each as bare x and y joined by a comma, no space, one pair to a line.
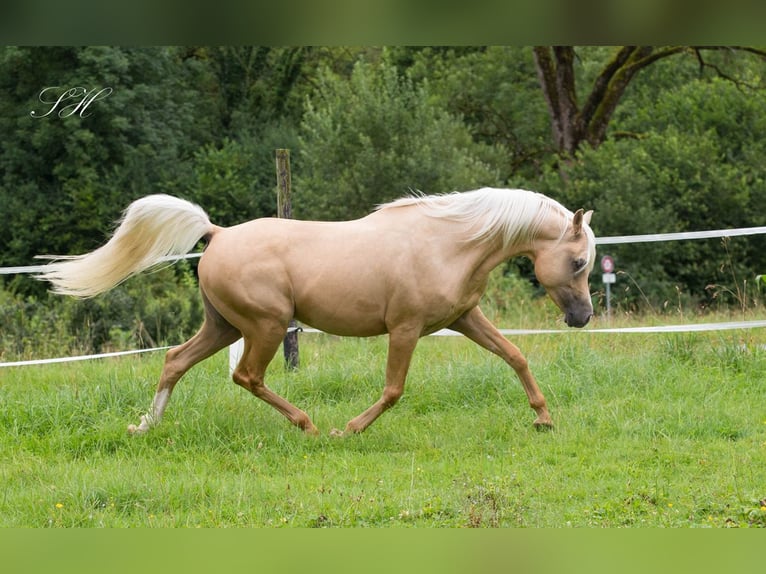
41,268
653,237
80,357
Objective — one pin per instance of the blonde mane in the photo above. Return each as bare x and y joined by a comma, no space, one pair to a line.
513,214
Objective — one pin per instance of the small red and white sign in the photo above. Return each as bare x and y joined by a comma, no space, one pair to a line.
607,266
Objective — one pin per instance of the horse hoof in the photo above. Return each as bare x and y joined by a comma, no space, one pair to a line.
543,426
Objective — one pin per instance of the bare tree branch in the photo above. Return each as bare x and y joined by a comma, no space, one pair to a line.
602,81
572,125
652,55
595,131
740,84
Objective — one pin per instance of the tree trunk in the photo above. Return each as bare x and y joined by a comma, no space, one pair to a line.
571,124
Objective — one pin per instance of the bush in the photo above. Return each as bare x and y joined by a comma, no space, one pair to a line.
29,328
236,180
154,309
374,137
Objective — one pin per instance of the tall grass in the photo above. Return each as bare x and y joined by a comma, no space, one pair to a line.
652,430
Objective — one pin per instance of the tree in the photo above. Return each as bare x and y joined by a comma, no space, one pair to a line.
66,177
572,123
494,91
374,137
259,93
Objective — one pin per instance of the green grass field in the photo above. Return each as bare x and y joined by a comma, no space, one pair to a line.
652,430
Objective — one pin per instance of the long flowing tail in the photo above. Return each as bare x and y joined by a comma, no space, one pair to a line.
151,228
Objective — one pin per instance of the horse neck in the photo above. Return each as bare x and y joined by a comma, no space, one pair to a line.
490,253
551,231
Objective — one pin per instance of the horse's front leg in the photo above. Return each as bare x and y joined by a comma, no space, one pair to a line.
474,325
401,344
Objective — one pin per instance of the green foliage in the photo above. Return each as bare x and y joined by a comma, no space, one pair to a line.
159,308
31,328
374,137
65,179
512,299
494,90
235,181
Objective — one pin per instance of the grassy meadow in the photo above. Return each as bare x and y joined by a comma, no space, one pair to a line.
651,430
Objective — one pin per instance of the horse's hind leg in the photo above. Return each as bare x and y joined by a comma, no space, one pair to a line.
260,347
215,334
474,325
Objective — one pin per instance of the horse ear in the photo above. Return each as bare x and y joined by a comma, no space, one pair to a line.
577,222
579,218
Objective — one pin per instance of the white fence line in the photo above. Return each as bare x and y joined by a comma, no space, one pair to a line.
80,357
684,235
41,268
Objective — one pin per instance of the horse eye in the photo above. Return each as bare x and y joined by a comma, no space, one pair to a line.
578,264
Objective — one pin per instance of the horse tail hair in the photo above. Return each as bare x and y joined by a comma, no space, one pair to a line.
151,229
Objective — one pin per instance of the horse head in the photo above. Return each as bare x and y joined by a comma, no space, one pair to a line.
562,266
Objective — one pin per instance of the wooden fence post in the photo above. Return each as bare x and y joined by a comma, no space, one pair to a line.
285,211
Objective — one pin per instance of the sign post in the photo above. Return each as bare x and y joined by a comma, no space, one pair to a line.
608,277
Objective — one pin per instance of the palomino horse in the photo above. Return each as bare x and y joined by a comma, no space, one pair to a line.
410,268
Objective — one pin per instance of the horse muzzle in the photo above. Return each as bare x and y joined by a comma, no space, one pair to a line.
577,309
578,318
